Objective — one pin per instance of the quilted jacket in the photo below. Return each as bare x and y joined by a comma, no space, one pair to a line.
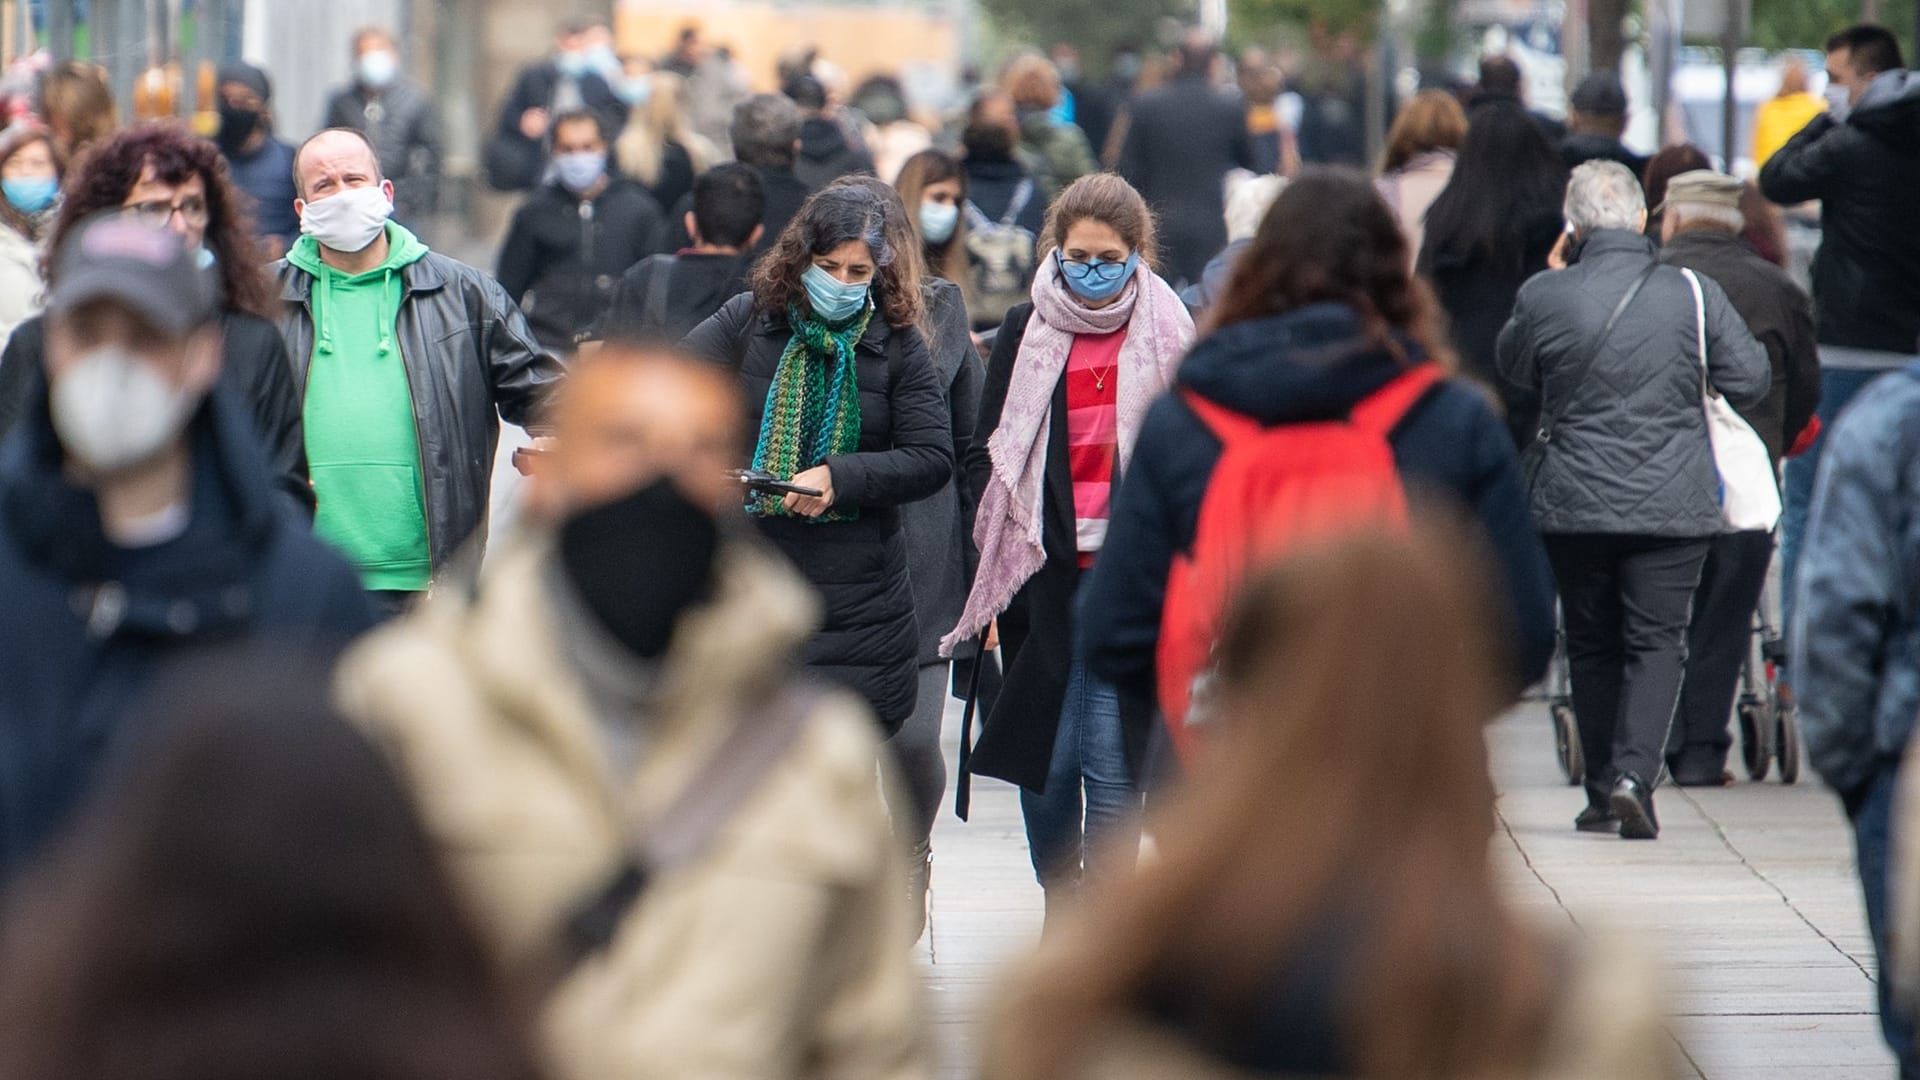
1627,448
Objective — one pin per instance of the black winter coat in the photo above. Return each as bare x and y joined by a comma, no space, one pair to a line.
1181,143
696,285
826,155
570,252
940,529
1778,313
254,369
1628,451
869,640
1866,173
89,626
785,195
1313,364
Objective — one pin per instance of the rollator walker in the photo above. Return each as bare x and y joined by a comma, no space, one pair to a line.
1768,722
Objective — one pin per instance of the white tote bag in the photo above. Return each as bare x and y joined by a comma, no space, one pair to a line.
1749,493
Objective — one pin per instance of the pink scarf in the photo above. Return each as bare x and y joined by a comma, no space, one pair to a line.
1007,528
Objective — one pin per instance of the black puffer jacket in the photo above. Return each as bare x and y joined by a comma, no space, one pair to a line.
870,639
1628,450
1866,174
570,252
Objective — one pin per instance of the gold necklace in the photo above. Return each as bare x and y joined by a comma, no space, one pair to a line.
1100,380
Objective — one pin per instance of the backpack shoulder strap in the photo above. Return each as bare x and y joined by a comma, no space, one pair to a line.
659,279
1227,426
1382,411
1021,196
977,218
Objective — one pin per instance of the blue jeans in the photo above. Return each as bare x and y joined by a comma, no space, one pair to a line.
1837,387
1873,845
1088,753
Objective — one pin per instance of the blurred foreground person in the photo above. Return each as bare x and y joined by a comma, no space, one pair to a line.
1701,224
170,178
1072,376
402,453
1856,671
847,403
1622,477
138,522
1320,322
661,298
639,796
250,895
1324,903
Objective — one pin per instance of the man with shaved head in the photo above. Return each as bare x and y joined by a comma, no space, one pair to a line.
405,357
616,753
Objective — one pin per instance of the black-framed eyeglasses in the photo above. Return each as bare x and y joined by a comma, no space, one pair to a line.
157,213
1097,270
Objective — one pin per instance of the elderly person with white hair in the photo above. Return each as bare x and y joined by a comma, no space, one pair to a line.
1249,197
1624,487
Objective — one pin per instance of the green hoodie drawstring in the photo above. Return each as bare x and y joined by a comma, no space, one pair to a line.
326,311
386,317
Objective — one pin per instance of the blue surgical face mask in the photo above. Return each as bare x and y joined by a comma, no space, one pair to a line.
580,171
938,220
30,194
833,300
572,64
636,90
603,59
204,258
1096,280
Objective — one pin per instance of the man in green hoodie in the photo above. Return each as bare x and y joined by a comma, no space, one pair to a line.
405,357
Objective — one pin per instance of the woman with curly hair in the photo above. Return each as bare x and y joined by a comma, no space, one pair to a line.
169,177
846,403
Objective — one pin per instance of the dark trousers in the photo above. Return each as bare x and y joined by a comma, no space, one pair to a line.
1626,600
1872,812
1718,644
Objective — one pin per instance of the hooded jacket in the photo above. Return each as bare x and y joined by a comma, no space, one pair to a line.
1313,364
570,252
870,637
470,362
779,951
1627,451
89,625
1866,277
826,155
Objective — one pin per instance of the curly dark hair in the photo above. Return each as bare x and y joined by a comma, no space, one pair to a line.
1330,239
110,170
832,217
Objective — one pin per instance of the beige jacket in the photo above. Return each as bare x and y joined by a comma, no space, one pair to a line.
781,952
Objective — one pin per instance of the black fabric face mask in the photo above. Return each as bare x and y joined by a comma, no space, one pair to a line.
236,127
639,561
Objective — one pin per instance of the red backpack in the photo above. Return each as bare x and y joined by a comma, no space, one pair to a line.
1274,490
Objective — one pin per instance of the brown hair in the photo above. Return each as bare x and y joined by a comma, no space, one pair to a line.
1433,120
12,143
1113,202
836,215
903,240
1032,81
1330,239
1766,231
1661,168
78,105
919,172
1346,788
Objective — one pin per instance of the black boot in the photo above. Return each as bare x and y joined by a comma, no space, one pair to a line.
1632,803
1597,818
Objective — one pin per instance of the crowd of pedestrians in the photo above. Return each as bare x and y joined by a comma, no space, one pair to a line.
1236,493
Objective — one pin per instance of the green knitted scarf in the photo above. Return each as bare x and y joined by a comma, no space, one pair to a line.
813,407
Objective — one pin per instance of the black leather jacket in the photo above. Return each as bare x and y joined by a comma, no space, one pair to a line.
469,355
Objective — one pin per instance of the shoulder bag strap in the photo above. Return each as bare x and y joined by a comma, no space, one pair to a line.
730,777
1550,418
1700,329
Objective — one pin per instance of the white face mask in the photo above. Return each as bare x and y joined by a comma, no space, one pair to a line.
349,221
1839,103
378,68
113,410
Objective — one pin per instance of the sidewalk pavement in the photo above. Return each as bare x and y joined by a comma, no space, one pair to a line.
1749,896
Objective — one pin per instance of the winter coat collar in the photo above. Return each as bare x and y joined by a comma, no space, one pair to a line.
1606,243
1314,363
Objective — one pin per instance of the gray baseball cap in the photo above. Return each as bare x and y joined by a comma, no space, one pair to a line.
114,256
